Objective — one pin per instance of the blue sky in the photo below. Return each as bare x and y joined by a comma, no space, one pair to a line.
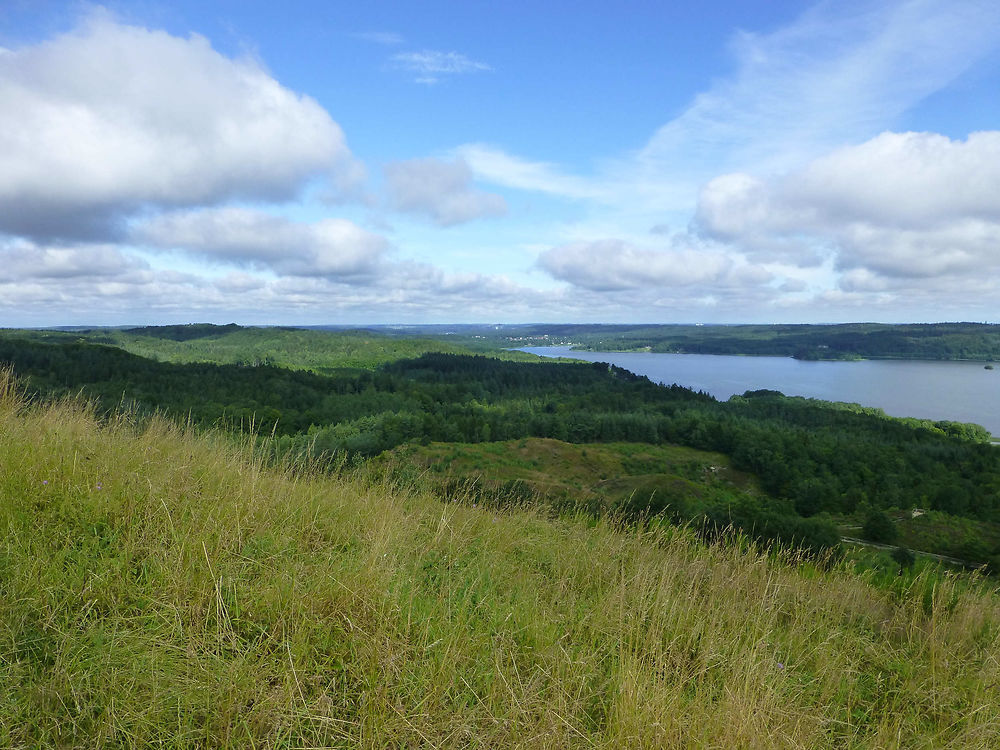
328,162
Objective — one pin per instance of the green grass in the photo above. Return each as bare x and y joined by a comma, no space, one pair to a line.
319,351
594,474
160,588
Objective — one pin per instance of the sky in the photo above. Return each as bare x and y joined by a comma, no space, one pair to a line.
346,163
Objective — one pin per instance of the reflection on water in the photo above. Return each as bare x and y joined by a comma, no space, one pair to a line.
957,391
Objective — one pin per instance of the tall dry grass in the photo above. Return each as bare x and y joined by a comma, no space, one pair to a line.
160,588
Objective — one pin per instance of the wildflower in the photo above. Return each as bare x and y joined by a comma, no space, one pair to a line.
45,481
100,486
780,665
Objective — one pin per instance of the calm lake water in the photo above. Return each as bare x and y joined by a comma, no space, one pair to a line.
957,391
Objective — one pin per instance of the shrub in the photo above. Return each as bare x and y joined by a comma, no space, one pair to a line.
878,527
904,557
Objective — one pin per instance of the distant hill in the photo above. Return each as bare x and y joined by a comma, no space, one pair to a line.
936,341
183,332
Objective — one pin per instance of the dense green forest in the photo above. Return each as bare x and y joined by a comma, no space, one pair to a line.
947,341
816,463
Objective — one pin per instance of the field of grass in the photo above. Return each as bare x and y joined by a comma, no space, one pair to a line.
319,351
160,588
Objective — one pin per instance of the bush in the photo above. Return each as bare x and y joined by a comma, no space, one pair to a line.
878,527
904,557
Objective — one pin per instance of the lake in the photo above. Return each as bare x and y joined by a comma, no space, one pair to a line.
956,391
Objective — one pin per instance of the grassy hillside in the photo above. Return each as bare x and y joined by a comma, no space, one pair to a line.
160,588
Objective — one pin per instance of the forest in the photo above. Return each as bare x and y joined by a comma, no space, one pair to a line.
818,466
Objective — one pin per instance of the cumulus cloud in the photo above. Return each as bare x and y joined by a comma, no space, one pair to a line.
98,285
900,205
612,265
904,179
331,247
430,65
23,261
110,118
440,189
960,247
736,205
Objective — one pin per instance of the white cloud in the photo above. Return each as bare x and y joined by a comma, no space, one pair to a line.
88,284
904,179
105,128
23,261
240,283
735,206
494,165
612,265
96,284
440,189
901,205
430,65
331,247
109,118
963,247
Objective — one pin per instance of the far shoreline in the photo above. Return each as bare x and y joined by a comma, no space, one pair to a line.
858,358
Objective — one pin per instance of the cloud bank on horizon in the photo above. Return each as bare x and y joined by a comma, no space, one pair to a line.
841,163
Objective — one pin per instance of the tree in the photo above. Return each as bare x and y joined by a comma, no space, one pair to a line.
878,527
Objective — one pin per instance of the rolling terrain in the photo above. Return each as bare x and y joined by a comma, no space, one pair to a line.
160,586
822,470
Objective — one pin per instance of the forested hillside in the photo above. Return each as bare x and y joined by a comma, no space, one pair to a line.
814,460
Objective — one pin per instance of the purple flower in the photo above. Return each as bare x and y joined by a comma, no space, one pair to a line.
45,481
100,486
780,665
